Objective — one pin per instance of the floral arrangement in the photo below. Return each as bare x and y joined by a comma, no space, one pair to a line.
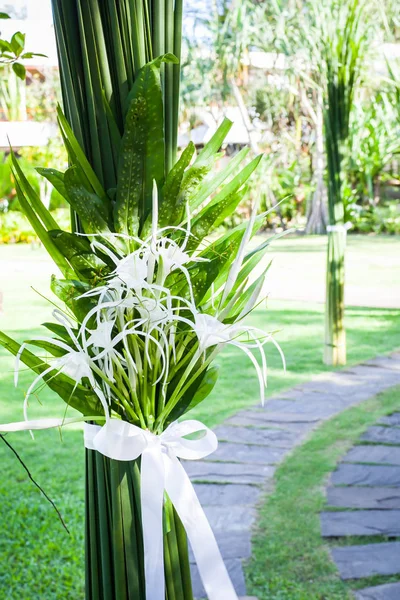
151,295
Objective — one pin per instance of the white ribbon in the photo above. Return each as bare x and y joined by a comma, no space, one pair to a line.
162,472
339,228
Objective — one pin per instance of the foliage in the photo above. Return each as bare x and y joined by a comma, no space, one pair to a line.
11,52
16,229
376,219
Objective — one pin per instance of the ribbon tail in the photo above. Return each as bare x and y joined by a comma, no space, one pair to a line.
209,561
152,499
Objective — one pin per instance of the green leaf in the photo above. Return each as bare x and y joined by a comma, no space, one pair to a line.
19,70
197,392
80,254
78,157
17,43
142,150
34,199
5,46
49,347
76,396
43,235
89,207
171,208
208,153
210,185
69,292
4,15
60,331
33,54
56,178
212,216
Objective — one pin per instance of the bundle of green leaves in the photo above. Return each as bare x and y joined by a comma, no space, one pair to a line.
151,294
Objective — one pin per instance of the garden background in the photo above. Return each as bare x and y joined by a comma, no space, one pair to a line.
259,66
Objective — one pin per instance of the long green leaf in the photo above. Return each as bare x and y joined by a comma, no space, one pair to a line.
77,396
142,150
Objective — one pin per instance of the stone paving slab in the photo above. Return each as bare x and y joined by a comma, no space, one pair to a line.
245,453
300,429
361,522
369,497
235,571
374,454
262,437
262,414
385,362
392,420
355,562
389,591
231,544
211,494
228,472
368,475
382,435
235,519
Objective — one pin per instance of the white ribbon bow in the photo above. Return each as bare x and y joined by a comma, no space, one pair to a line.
162,472
339,228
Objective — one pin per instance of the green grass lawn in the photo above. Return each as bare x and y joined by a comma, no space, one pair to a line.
290,559
42,561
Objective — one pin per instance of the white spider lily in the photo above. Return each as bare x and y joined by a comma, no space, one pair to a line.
132,271
101,337
74,364
212,332
172,255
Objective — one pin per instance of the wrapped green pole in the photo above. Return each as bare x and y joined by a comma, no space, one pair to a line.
343,41
102,44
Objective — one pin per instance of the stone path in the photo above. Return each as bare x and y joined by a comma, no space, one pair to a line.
254,441
365,493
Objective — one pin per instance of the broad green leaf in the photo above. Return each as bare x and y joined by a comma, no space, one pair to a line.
142,151
49,347
89,207
5,46
19,70
56,179
60,331
17,43
76,396
78,251
4,15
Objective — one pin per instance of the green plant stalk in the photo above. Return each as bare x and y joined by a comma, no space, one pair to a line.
114,535
335,334
101,46
342,53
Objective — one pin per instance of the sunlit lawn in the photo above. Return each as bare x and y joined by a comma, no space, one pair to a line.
39,560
